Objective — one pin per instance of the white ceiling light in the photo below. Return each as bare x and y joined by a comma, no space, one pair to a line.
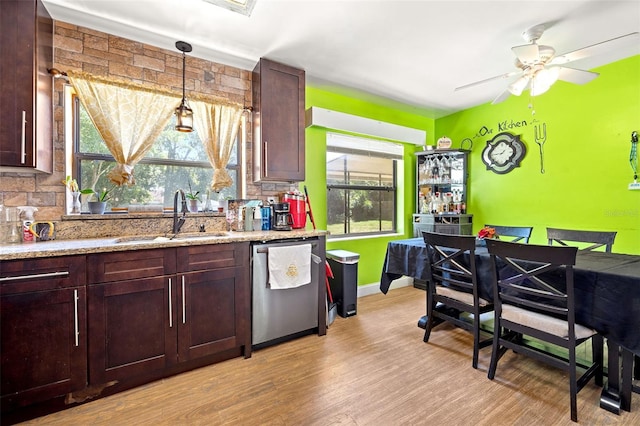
543,80
519,85
244,7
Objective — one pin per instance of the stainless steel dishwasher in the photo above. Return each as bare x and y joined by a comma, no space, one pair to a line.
280,315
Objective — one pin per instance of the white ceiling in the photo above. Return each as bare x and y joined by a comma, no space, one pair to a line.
413,53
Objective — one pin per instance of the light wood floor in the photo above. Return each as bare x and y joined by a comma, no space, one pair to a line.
370,369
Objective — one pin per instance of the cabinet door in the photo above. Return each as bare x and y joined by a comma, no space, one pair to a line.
279,145
131,328
44,346
211,317
26,51
43,329
214,313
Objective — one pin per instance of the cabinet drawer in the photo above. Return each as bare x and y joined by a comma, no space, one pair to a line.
123,266
214,256
17,276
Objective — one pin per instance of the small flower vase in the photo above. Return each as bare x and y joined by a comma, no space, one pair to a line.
76,206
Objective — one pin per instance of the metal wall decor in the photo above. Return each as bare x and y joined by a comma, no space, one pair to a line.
540,135
503,153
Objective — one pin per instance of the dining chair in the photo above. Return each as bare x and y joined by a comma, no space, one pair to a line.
595,238
519,232
533,294
452,282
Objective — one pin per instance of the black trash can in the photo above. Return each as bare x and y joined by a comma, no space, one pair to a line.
344,284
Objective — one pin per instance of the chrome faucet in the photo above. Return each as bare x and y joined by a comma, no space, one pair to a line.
178,222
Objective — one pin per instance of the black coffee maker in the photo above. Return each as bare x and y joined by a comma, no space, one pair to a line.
282,219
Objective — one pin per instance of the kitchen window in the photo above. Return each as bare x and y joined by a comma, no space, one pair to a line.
361,185
177,161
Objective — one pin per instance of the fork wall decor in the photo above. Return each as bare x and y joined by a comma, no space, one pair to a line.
540,135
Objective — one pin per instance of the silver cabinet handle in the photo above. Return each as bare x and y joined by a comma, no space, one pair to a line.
32,276
184,303
75,316
170,307
265,162
23,138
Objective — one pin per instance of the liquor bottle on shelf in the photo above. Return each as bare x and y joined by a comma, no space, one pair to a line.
441,179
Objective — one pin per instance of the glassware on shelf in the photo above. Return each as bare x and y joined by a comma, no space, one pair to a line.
435,171
445,169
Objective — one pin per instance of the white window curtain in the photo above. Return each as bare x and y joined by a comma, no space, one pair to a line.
128,117
217,125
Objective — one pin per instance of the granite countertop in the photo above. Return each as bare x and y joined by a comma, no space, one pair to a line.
141,242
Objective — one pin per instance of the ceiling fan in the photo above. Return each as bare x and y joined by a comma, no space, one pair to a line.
539,67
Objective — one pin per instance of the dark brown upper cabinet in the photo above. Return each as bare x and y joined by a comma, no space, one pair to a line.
278,122
26,53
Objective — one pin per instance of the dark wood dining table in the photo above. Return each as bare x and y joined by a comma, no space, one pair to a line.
607,290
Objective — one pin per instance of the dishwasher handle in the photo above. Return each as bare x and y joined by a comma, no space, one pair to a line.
266,249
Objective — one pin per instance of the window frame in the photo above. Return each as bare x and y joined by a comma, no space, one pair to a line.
78,156
361,145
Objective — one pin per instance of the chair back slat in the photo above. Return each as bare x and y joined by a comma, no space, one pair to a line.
557,311
597,239
519,232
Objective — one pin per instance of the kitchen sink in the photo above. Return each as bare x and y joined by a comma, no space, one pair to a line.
169,237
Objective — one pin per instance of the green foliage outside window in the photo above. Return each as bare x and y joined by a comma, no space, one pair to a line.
176,160
361,194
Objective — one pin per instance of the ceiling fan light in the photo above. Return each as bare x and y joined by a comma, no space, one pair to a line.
548,75
543,80
519,85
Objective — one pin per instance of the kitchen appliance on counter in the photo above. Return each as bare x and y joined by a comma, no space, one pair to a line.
283,314
297,207
282,220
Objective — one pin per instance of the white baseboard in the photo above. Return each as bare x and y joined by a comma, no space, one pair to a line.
374,288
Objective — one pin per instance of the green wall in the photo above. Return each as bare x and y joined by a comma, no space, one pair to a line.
586,158
371,250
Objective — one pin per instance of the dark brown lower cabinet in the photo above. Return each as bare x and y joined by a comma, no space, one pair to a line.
74,328
215,303
207,320
148,324
129,329
43,330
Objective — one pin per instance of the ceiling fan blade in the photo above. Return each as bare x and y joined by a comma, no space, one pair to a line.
501,97
575,76
595,49
498,77
527,53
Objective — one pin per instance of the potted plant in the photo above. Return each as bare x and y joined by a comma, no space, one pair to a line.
194,198
98,201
